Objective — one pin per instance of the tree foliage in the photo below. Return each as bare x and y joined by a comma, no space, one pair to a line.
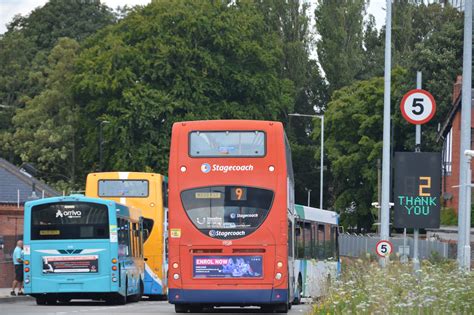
173,61
24,51
340,46
46,128
354,124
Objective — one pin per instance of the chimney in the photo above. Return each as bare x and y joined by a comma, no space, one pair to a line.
457,88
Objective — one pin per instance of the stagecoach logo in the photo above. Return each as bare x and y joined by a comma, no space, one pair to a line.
225,234
68,214
206,168
234,215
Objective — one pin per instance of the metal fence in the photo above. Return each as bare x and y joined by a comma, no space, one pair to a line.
353,245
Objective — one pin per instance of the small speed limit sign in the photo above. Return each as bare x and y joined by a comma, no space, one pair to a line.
418,106
383,248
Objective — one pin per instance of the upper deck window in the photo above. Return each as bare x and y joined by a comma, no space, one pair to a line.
123,188
227,143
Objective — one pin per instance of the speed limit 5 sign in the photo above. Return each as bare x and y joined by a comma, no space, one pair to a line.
418,106
383,248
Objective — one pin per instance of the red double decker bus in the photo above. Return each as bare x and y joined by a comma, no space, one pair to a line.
231,215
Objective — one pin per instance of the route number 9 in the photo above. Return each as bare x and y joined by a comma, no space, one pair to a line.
238,193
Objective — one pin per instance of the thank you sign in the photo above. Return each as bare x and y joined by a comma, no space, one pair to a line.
417,190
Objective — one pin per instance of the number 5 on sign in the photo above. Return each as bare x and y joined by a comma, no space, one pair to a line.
383,248
418,106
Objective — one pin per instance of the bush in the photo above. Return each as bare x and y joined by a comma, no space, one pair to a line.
365,288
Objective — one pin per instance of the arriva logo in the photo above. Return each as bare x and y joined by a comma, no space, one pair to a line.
68,213
206,168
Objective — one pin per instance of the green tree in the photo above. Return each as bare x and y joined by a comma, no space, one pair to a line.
46,128
290,20
340,26
354,143
173,61
24,51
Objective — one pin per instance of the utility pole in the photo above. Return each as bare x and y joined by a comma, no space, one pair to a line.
385,209
464,207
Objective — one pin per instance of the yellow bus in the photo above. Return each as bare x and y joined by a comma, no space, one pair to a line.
148,192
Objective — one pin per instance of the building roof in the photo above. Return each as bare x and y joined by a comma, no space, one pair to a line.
16,185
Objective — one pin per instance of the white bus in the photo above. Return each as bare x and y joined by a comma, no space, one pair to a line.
316,251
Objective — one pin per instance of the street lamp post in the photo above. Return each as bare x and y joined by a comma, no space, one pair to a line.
309,195
322,153
101,142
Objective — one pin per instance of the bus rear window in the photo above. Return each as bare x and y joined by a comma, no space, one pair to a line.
227,143
123,188
69,220
227,211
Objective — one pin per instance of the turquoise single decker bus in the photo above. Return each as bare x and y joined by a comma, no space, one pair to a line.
77,247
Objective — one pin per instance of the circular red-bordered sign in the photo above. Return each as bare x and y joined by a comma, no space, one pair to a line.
383,248
418,106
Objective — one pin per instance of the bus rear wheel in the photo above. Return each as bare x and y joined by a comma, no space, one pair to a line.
278,308
41,301
299,291
181,308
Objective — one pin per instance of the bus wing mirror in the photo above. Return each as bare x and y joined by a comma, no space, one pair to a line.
341,230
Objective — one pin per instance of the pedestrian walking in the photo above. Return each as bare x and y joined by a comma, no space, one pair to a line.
18,264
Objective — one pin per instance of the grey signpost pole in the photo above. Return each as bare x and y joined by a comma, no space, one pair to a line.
416,261
385,210
464,213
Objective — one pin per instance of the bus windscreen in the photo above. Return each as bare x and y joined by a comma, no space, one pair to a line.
227,143
227,211
69,220
123,188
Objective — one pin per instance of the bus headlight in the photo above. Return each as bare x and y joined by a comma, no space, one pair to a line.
279,264
278,276
175,265
183,169
27,280
176,276
114,279
271,168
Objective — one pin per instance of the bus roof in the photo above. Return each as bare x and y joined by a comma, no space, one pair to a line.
317,215
123,210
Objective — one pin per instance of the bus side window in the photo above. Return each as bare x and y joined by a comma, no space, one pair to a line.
314,240
123,237
299,240
321,241
164,192
308,240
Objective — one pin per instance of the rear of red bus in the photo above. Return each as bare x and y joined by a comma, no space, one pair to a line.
230,190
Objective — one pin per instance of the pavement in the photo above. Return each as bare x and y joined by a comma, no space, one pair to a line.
5,296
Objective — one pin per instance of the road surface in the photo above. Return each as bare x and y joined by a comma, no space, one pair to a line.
143,307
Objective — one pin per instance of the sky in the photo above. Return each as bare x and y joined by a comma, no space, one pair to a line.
9,8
